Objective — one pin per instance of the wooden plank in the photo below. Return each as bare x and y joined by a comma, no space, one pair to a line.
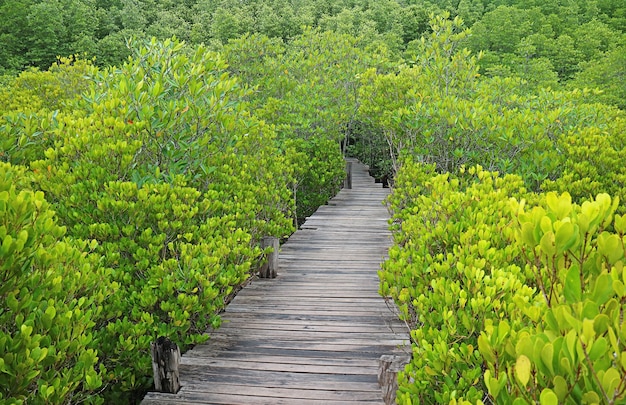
327,317
253,321
284,358
239,399
217,364
278,392
301,380
350,291
244,305
334,292
269,323
323,295
225,350
318,292
316,312
343,345
384,334
316,336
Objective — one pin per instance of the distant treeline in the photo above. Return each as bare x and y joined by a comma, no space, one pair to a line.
544,40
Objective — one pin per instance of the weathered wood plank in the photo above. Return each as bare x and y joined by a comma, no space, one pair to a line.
224,350
278,379
251,322
311,394
315,333
313,337
304,306
285,357
217,364
242,399
317,343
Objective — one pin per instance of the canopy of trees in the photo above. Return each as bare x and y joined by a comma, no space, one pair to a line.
543,41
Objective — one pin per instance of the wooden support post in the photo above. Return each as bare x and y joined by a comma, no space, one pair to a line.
270,267
165,361
347,182
388,368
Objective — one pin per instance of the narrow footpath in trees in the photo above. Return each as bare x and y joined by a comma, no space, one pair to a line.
315,333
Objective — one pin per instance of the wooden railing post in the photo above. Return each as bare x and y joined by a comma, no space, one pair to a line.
347,182
270,267
165,361
388,368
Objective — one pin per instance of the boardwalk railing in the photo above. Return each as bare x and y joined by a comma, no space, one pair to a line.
315,334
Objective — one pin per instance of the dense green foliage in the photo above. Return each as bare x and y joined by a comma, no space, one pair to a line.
161,164
440,110
452,269
518,305
151,172
495,298
574,350
545,41
307,90
52,298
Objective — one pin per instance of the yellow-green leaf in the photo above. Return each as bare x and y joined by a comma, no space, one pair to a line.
572,290
522,370
548,397
547,244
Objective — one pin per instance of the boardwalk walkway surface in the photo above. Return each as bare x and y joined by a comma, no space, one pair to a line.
314,334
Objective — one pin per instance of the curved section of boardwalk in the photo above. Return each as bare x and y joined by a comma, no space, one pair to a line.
314,334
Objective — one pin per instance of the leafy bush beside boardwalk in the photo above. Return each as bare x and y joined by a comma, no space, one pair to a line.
574,349
160,172
53,292
451,270
506,304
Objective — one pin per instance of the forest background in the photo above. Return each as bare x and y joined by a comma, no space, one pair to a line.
148,146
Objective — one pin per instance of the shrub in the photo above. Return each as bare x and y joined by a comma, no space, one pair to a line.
52,294
589,160
162,164
319,172
451,271
574,351
30,105
306,90
533,298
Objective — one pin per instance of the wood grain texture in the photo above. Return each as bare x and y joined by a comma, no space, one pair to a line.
315,333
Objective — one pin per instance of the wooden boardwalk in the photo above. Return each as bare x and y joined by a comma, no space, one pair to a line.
314,334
